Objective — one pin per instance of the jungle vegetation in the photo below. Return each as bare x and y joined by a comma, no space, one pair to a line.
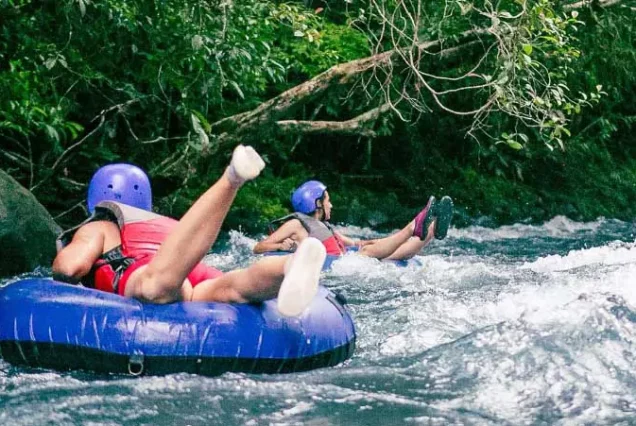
519,109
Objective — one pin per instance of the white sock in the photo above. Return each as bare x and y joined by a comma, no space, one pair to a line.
246,164
302,272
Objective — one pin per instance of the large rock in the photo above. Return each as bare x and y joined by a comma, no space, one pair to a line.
27,230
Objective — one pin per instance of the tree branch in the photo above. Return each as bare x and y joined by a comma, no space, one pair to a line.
358,126
583,3
273,112
288,101
70,149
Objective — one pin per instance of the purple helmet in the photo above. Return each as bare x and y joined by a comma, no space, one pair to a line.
304,197
120,182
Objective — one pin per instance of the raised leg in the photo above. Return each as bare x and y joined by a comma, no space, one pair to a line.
412,247
162,279
384,247
419,227
432,222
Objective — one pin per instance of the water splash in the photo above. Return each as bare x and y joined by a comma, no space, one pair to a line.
558,227
525,324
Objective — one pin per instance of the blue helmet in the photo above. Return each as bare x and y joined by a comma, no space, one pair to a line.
304,197
120,182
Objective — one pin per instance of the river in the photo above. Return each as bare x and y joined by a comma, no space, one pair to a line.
516,325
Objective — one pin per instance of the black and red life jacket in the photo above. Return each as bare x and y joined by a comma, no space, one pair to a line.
141,231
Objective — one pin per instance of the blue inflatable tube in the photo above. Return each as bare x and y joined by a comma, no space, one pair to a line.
48,324
331,259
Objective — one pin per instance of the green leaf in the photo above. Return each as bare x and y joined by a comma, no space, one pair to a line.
514,145
52,133
202,120
82,6
73,128
527,48
236,87
203,139
50,63
39,111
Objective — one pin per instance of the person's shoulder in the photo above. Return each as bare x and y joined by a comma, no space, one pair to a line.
291,227
100,226
293,222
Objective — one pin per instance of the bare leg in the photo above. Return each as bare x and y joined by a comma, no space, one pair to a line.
413,246
162,279
294,279
420,227
260,281
386,246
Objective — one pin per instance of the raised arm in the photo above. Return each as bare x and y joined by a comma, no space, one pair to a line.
76,259
284,238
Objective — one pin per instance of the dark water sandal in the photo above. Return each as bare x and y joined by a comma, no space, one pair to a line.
424,219
444,214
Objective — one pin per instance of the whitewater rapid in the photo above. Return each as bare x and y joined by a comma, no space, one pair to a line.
522,324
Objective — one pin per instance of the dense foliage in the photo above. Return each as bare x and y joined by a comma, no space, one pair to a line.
528,119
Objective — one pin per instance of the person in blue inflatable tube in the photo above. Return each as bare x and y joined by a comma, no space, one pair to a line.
312,207
126,249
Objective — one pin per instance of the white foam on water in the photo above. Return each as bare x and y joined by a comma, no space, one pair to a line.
461,338
563,349
448,298
239,240
615,253
559,226
574,374
238,253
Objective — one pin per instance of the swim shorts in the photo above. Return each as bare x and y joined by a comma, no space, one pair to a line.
200,273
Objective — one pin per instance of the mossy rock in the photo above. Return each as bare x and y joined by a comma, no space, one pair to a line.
27,230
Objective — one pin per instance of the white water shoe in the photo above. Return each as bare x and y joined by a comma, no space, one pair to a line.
301,277
246,164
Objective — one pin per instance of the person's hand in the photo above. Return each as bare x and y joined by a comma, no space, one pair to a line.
288,245
362,243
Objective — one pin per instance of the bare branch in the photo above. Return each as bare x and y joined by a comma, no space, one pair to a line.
65,212
17,159
405,75
359,125
102,118
582,4
162,139
288,101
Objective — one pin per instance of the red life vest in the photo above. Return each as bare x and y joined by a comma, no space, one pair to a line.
142,232
323,231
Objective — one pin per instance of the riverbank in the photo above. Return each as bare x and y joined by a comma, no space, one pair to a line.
582,189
